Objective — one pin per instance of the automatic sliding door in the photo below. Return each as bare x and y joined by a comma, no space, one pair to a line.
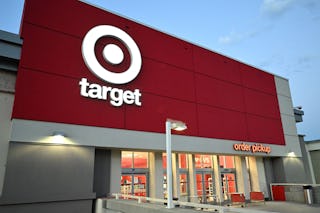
134,184
205,187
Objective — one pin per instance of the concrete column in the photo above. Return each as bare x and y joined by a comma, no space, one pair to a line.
217,179
242,176
175,175
192,179
156,175
115,171
254,174
264,187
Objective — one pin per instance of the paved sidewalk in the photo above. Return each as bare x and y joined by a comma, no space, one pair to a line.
285,207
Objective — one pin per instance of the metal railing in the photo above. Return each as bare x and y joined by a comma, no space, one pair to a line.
219,209
199,206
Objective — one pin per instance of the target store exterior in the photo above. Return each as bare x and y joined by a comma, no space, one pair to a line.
92,95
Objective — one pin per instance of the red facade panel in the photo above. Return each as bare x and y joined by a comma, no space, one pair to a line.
216,96
165,80
217,66
220,123
265,129
214,92
163,48
46,97
257,80
51,52
261,104
156,109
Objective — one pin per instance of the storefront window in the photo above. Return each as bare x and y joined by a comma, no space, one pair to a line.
134,159
134,184
134,177
184,184
203,161
226,162
140,160
183,162
126,159
164,160
228,184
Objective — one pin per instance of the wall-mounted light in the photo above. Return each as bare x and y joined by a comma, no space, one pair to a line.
58,137
291,154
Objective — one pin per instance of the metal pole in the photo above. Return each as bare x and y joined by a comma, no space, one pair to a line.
169,165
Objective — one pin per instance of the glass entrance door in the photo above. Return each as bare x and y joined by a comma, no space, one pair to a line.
228,184
205,186
134,184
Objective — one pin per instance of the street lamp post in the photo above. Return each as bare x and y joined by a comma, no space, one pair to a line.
178,126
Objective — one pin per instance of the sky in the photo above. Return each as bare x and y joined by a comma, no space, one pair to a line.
278,36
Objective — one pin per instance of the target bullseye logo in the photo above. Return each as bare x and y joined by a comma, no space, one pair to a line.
111,53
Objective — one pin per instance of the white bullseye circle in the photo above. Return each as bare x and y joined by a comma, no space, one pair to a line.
113,54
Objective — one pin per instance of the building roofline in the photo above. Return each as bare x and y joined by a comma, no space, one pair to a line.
175,36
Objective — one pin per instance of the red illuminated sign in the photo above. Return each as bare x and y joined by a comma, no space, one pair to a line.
251,148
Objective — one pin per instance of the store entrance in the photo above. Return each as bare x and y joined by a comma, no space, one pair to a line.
228,184
134,184
205,186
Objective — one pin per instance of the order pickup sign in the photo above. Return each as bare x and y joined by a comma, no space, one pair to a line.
252,148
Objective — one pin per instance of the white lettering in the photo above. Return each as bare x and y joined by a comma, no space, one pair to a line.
137,96
84,84
128,97
95,91
117,96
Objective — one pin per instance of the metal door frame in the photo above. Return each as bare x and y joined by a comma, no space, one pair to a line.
132,173
203,172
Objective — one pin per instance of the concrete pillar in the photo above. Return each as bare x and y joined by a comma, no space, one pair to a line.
156,175
242,177
192,179
115,171
217,179
254,174
175,175
264,187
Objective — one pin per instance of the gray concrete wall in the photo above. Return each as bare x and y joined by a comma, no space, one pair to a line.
7,88
278,170
38,131
83,206
39,177
315,159
288,170
316,194
287,116
6,103
294,193
10,48
101,185
308,173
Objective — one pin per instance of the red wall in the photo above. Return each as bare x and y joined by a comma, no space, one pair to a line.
216,96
